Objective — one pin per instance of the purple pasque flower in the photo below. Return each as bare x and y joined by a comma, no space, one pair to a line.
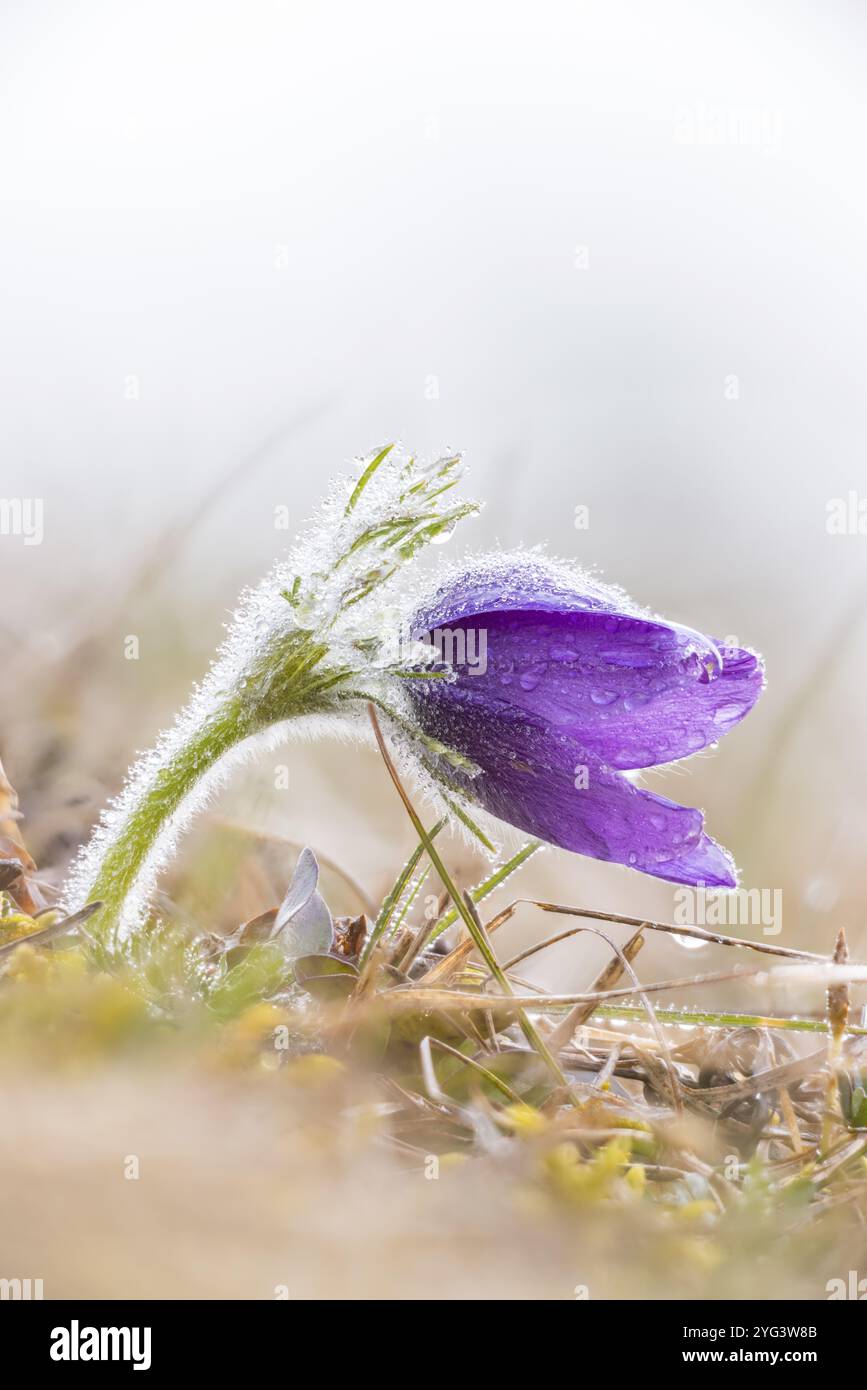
576,688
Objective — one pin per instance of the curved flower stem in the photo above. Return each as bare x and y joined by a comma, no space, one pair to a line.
288,679
136,840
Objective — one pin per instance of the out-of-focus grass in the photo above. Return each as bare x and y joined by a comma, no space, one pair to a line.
185,1122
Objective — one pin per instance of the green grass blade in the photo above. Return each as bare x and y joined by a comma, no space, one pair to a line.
366,477
472,923
482,890
393,897
466,819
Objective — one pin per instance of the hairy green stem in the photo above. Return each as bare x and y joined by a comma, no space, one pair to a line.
288,680
129,850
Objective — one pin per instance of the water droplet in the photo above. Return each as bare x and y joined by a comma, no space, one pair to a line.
690,943
727,714
603,697
636,700
530,679
558,653
442,536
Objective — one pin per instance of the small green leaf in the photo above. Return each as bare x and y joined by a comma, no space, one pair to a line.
326,977
292,595
308,967
366,477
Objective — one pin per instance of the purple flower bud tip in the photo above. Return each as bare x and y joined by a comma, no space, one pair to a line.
562,686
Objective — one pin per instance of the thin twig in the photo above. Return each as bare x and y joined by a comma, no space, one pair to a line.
581,1013
697,933
41,938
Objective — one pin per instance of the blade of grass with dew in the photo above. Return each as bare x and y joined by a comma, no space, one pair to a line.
531,1033
488,885
411,897
398,888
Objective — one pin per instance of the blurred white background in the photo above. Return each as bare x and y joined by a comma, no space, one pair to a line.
613,251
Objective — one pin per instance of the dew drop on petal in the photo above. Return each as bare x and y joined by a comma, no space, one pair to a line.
530,679
636,700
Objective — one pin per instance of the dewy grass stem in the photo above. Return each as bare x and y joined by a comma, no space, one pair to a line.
483,945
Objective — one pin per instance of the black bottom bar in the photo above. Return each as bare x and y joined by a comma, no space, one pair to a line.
151,1338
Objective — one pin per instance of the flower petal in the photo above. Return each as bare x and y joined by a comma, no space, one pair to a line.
529,583
633,688
635,692
538,777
